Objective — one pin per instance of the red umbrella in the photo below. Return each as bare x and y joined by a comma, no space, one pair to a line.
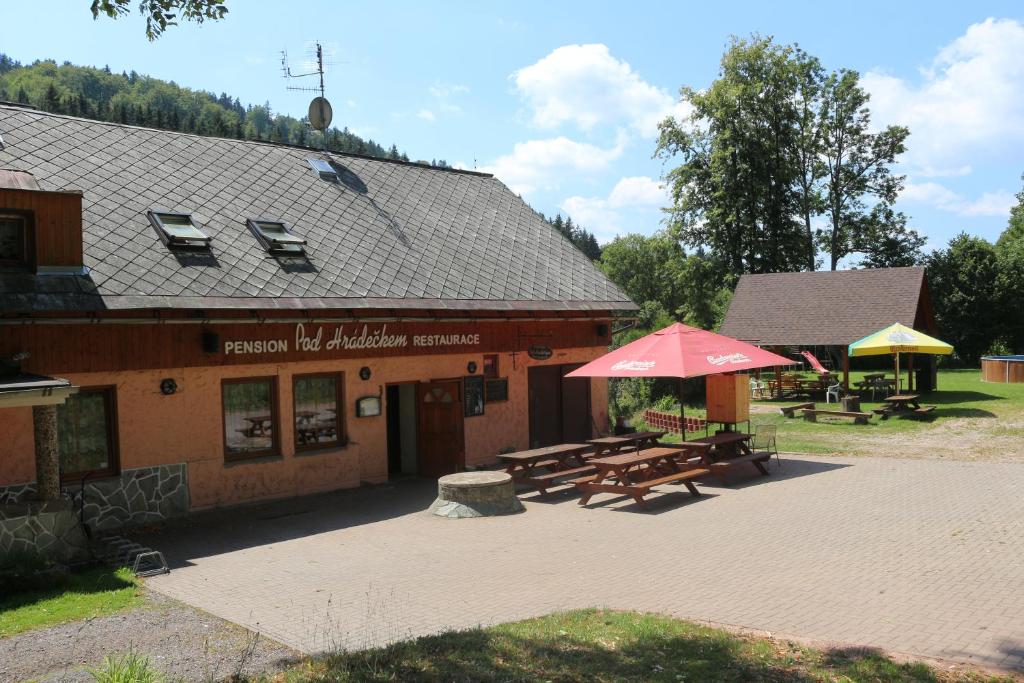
680,351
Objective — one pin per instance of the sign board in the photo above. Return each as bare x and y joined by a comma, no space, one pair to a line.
92,347
496,389
323,338
474,395
539,352
368,406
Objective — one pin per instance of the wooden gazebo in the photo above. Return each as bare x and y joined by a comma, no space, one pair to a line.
828,308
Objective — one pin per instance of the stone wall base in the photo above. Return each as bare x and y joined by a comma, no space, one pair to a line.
49,529
146,495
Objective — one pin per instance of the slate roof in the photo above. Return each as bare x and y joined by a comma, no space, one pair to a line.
826,308
388,234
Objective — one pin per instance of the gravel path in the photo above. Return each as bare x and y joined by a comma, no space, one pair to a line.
184,643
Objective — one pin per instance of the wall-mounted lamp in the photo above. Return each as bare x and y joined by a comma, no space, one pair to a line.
364,373
471,367
168,386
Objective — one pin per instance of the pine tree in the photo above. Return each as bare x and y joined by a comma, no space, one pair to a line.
51,100
22,96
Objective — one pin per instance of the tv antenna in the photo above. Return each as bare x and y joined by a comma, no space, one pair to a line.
320,112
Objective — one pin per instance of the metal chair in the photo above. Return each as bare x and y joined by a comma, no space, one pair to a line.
764,442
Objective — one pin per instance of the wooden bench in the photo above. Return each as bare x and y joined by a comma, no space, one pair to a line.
682,477
757,459
790,411
923,410
858,418
542,481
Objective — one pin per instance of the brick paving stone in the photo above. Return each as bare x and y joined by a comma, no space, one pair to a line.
919,557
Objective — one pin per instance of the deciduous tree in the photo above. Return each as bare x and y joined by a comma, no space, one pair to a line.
160,14
963,280
857,168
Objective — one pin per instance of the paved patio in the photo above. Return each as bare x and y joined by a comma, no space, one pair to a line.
917,557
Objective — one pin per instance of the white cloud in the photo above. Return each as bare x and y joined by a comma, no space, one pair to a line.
638,191
941,197
426,115
967,102
587,86
603,216
542,163
443,90
990,204
932,194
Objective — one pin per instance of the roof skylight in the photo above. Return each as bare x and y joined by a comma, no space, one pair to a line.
177,229
324,168
275,236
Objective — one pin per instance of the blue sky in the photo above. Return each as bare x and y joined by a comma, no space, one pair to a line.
559,99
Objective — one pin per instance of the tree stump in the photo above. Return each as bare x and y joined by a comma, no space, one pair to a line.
851,404
475,494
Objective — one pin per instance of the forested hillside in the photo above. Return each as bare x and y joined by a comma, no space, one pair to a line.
141,100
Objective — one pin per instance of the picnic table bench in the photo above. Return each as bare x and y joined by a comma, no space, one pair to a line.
722,451
858,417
874,383
635,473
259,425
903,403
311,432
614,444
544,467
790,411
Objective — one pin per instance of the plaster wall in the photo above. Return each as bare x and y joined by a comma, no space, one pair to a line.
186,427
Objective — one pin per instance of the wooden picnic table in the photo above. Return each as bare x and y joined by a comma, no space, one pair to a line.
309,431
635,473
542,467
722,451
903,401
873,383
258,425
613,444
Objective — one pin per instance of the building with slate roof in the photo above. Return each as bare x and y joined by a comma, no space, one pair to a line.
828,310
246,320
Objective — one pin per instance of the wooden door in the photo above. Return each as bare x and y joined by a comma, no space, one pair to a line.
439,443
575,406
545,404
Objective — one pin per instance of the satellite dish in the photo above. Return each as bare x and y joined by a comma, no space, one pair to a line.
320,113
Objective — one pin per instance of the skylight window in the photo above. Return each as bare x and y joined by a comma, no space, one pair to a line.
275,236
324,168
178,230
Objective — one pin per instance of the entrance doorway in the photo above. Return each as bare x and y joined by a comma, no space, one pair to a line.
402,428
440,448
559,406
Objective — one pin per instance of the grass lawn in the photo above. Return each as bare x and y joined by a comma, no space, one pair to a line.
972,420
71,597
594,645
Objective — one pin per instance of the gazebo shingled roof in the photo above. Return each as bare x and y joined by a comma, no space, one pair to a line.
827,308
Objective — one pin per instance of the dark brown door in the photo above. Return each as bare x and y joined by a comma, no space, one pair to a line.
544,388
575,406
439,445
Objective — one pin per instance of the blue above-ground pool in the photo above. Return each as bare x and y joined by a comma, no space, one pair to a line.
1002,368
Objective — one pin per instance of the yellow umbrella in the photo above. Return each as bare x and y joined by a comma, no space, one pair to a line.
897,339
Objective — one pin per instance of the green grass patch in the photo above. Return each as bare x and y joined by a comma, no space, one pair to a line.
68,597
596,645
998,409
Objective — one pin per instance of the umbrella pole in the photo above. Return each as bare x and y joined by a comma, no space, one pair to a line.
682,413
899,388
